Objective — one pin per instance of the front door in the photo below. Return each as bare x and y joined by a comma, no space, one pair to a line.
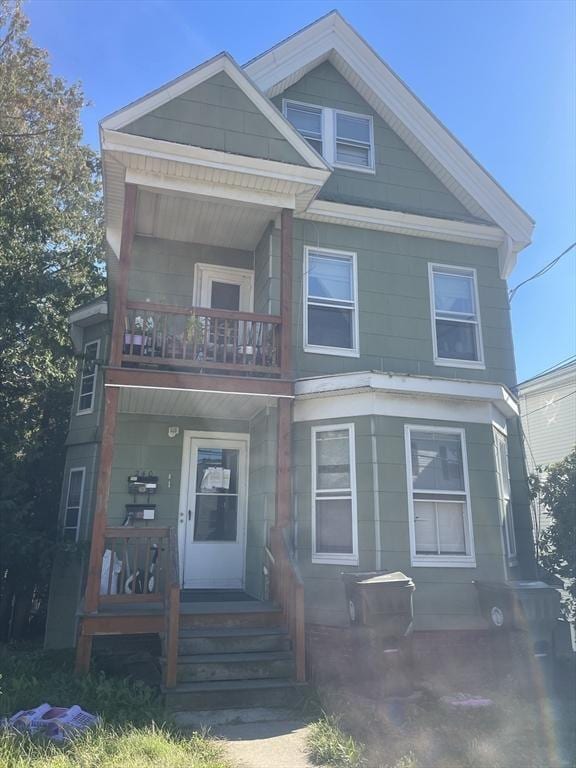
215,515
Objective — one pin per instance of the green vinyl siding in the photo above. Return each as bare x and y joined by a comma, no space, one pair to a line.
162,271
401,181
267,273
216,115
83,428
395,327
445,597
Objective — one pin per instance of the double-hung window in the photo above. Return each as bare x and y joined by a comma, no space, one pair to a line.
74,498
334,524
344,139
88,377
504,493
439,498
330,302
456,328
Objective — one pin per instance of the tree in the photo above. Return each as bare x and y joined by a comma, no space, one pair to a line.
556,491
51,241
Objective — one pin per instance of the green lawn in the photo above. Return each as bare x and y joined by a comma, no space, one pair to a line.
134,732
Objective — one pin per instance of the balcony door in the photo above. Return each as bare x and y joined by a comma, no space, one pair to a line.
220,287
213,510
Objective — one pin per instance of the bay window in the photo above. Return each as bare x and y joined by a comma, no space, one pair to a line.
334,524
439,499
330,302
456,328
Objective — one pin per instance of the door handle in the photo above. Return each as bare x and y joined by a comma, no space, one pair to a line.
189,514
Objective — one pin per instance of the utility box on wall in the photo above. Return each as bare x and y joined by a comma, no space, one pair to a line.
141,511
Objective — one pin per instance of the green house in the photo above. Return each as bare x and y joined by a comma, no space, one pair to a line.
303,365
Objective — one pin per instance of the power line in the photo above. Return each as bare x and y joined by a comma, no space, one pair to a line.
549,404
541,272
562,363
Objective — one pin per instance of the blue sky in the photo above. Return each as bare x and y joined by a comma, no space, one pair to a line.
501,75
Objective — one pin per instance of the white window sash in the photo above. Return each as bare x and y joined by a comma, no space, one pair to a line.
318,301
458,317
329,138
505,494
337,494
443,560
82,411
68,506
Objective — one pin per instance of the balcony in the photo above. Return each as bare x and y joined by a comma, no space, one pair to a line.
214,341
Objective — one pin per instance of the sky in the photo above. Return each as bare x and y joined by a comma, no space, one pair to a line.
500,74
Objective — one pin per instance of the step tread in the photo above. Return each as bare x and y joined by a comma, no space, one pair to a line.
189,634
194,609
223,658
233,685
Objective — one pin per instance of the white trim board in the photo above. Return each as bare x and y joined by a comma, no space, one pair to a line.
332,38
223,62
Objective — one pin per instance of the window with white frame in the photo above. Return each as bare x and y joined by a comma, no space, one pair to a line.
440,524
504,493
455,316
73,507
334,526
88,377
330,302
344,139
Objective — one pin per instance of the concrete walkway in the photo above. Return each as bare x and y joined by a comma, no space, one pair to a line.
277,744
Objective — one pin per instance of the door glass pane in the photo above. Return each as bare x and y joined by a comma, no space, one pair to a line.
425,528
225,296
330,327
330,277
451,528
456,341
332,460
217,470
334,525
437,462
215,518
454,293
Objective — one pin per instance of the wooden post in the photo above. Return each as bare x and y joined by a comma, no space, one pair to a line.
283,462
286,293
111,397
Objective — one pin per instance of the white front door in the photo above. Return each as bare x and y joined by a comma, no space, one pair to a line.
214,520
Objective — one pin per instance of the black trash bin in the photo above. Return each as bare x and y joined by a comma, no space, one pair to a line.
380,600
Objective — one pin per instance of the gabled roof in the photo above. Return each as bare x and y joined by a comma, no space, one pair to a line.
223,62
332,38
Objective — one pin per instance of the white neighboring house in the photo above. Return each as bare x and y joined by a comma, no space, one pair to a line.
548,414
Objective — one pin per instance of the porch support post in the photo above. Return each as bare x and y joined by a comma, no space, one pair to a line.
111,397
284,425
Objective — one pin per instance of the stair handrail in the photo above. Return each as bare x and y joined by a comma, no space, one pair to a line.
288,591
172,610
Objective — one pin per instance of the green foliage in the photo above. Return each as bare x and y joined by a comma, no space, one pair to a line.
51,240
108,747
29,678
329,745
556,491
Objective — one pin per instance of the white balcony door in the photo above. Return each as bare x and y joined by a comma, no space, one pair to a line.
213,515
223,288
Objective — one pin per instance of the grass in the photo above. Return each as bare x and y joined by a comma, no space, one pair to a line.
329,745
134,732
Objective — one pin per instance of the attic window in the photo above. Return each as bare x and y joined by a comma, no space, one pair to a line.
344,139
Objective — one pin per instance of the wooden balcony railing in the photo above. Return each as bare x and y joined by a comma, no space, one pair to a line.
287,590
200,338
140,568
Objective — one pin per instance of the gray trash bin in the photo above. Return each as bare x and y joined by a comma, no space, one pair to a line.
380,600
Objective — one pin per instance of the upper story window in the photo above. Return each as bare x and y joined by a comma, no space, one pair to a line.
456,331
74,499
88,378
440,519
344,139
334,523
330,302
505,494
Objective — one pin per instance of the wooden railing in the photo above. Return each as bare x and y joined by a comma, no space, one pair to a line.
140,567
209,339
287,590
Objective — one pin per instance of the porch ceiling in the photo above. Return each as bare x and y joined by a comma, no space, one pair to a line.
201,220
178,403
